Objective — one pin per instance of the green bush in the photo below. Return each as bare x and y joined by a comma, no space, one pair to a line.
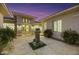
48,33
70,36
6,36
11,33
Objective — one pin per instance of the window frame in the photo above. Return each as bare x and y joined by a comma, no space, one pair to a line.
57,25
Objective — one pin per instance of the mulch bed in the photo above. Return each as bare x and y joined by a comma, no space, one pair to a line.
37,46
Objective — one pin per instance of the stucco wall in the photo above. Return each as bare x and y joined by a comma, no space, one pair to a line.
68,21
1,20
49,24
71,21
32,22
19,20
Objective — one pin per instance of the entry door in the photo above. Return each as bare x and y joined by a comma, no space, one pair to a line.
27,29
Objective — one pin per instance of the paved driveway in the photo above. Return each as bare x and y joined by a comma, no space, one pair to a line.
21,47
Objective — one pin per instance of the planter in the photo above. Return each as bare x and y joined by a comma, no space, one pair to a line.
48,33
38,45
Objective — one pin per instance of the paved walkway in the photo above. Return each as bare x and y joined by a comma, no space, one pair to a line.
53,47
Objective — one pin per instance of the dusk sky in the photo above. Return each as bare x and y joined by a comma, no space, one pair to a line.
39,10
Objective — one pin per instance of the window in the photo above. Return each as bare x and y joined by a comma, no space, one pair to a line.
58,25
26,20
27,28
10,25
23,20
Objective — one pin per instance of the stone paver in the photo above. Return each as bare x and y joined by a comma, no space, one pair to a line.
53,47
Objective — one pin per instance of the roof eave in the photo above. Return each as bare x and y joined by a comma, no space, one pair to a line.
5,10
23,15
76,8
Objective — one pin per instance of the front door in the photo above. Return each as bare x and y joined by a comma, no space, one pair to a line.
26,29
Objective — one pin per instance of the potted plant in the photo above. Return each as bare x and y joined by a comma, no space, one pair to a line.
48,33
70,36
6,36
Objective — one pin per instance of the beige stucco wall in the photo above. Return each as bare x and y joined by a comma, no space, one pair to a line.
31,22
49,24
19,20
71,21
68,21
1,20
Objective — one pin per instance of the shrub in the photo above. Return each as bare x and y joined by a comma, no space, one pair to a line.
6,36
48,33
11,33
70,36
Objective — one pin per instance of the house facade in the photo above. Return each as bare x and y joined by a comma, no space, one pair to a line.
21,23
67,19
3,12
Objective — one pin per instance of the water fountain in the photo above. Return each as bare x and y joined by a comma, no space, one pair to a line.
37,43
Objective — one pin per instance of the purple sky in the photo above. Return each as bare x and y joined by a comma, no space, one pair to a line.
39,10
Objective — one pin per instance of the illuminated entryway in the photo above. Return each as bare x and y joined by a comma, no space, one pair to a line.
21,23
25,29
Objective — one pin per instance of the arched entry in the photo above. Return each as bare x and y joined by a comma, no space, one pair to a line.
26,29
